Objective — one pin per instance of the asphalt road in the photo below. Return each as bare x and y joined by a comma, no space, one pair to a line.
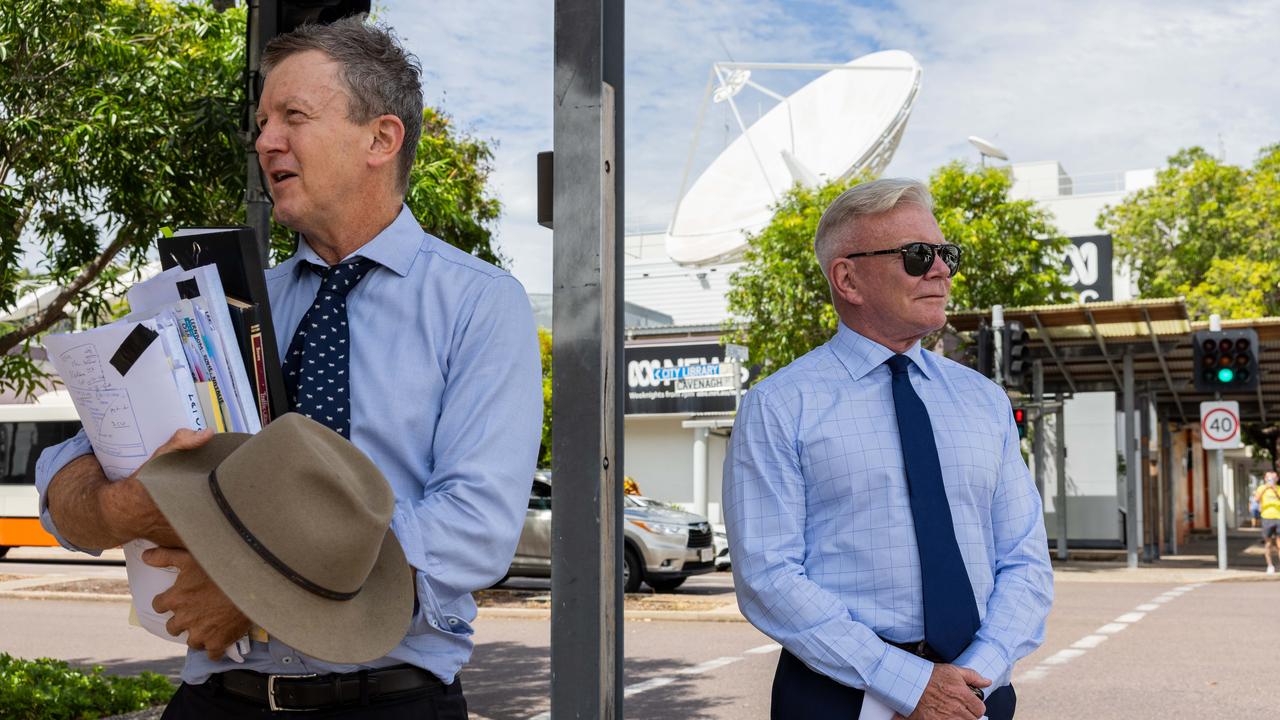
1112,650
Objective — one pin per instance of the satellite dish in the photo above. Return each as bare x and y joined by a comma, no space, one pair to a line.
987,149
845,122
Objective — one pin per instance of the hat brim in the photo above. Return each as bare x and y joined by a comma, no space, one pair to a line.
364,628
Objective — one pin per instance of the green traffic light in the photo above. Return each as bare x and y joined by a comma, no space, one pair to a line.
1226,375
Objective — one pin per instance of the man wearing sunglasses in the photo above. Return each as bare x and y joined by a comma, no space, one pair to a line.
883,525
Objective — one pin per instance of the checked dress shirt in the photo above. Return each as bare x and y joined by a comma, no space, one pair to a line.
820,527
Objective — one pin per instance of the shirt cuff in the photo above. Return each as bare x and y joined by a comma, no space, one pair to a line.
50,463
983,658
899,679
427,614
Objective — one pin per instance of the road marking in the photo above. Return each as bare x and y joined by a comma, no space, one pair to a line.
1089,642
647,685
1099,636
700,668
710,665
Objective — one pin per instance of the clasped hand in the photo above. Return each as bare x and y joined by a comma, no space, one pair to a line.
199,607
949,695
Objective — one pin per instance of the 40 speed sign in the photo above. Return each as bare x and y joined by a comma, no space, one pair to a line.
1220,425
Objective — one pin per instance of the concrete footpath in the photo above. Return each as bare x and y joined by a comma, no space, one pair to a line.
1196,562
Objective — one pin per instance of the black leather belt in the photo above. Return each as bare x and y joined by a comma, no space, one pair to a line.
314,692
918,648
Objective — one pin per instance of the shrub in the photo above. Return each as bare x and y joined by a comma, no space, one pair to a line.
47,689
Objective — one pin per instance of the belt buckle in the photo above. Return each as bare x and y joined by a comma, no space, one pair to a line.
922,649
271,693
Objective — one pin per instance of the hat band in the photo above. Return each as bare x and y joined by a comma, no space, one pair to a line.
292,575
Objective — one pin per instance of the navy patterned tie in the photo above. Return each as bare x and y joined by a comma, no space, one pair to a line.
950,611
315,368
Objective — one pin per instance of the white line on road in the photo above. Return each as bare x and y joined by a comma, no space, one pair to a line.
1099,636
709,665
651,684
700,668
1089,642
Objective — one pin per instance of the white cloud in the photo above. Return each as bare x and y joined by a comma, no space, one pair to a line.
1100,86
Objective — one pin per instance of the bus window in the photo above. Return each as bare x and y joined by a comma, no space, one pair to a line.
21,444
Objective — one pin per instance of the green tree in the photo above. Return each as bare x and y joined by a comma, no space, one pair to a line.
544,349
1207,230
115,118
119,117
1013,254
781,302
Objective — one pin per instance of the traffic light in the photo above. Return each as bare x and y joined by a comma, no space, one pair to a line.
986,352
1016,355
281,16
1225,360
1020,419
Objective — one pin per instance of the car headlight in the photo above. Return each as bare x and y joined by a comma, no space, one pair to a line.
658,528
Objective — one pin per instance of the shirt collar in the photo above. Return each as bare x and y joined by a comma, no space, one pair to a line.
394,248
861,355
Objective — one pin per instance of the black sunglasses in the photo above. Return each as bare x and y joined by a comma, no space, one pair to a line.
917,257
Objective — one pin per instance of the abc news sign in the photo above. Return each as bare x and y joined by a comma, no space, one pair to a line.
1089,268
680,379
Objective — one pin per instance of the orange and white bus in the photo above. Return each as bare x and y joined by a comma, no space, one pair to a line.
25,431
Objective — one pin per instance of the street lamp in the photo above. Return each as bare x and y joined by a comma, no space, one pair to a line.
987,150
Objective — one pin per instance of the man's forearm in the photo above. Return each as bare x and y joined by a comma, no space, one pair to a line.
91,511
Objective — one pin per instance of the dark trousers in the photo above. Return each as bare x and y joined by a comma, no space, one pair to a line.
208,702
802,694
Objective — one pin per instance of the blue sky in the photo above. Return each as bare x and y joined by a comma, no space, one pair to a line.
1099,86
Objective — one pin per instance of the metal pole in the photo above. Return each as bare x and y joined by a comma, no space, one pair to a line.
1060,458
256,203
1131,536
1170,482
1221,503
586,543
700,470
1037,438
1144,528
997,344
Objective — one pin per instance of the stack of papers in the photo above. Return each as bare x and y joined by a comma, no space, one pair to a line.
172,363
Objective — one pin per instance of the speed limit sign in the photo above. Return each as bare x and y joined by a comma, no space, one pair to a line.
1220,425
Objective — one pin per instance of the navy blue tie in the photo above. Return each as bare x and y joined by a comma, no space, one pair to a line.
950,612
315,368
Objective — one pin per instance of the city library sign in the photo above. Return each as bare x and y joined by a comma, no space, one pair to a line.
681,379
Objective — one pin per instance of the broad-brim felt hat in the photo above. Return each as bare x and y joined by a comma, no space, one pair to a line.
293,524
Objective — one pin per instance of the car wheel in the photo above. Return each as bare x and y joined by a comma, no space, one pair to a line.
665,586
632,571
4,549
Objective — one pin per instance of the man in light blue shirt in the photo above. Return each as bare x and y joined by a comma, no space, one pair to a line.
831,556
444,392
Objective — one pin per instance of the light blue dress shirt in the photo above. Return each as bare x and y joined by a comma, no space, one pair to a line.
446,398
820,527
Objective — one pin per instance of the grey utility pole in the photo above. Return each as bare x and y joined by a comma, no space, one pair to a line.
1060,466
587,224
257,204
1133,513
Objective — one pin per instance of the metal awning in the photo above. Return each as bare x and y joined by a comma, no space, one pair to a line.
1082,348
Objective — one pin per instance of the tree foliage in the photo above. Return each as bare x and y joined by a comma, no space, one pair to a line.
544,349
1207,230
119,117
115,118
1013,254
780,299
